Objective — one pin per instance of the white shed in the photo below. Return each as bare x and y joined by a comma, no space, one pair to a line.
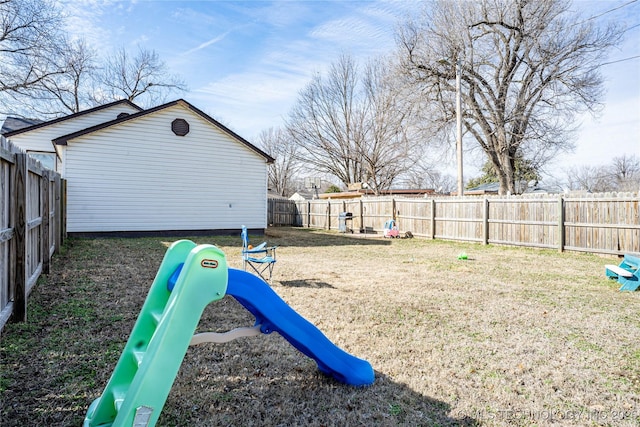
168,168
36,139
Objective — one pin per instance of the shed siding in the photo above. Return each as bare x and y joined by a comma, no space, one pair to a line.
40,139
139,176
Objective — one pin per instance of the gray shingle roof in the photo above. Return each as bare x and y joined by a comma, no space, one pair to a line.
15,123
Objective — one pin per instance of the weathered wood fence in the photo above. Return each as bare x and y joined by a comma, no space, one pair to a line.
597,223
31,227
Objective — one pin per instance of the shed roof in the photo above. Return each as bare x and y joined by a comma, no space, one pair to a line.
62,140
41,124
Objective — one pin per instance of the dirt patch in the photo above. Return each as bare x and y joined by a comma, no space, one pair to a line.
509,336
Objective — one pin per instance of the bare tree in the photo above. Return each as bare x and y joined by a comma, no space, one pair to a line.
626,172
282,173
30,40
594,179
391,142
425,175
143,77
67,92
354,125
43,74
73,89
327,124
527,68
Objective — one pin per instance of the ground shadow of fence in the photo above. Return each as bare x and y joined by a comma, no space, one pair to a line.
305,237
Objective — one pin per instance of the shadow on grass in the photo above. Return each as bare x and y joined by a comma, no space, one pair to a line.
306,283
274,236
256,390
308,237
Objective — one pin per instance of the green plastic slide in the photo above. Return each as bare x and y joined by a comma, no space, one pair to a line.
146,370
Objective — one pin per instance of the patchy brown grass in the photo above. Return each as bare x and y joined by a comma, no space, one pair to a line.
510,336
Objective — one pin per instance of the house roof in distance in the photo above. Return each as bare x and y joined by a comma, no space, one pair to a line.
420,192
494,187
13,124
62,140
41,124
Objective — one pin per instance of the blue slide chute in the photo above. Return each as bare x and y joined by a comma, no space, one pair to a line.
273,314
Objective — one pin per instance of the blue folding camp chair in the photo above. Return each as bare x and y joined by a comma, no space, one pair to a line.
260,258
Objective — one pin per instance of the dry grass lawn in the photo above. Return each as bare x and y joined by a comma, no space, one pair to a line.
510,336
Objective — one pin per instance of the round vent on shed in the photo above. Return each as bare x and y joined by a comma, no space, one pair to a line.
180,127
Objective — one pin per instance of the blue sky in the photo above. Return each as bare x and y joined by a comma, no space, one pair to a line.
246,61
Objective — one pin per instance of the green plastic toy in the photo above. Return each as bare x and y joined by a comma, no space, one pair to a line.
190,278
146,370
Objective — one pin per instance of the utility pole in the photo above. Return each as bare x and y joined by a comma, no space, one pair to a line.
459,129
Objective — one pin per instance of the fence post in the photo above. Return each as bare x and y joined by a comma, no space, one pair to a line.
46,244
308,214
63,210
19,237
362,229
58,214
560,223
393,209
433,219
329,214
485,221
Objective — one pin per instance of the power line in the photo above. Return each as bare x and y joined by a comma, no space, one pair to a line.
620,60
610,10
625,30
632,27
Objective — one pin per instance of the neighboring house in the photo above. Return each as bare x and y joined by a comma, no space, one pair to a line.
300,196
36,138
171,168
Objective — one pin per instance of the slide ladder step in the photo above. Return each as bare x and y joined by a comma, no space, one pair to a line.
156,316
118,397
138,356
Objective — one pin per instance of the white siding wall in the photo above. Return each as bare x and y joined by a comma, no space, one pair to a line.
40,139
139,176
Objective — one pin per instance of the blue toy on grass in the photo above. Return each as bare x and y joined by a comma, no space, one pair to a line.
627,273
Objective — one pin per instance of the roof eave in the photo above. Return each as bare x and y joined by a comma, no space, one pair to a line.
71,116
63,140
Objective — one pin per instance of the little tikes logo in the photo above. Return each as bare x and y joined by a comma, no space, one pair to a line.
209,263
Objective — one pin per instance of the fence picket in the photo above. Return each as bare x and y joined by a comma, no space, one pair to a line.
30,227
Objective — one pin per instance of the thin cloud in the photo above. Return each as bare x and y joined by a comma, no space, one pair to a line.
254,87
345,30
251,101
81,21
208,43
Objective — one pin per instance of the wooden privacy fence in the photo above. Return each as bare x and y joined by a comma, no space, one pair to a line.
597,223
31,227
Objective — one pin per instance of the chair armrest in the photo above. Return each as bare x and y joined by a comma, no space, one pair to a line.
271,251
259,247
256,249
